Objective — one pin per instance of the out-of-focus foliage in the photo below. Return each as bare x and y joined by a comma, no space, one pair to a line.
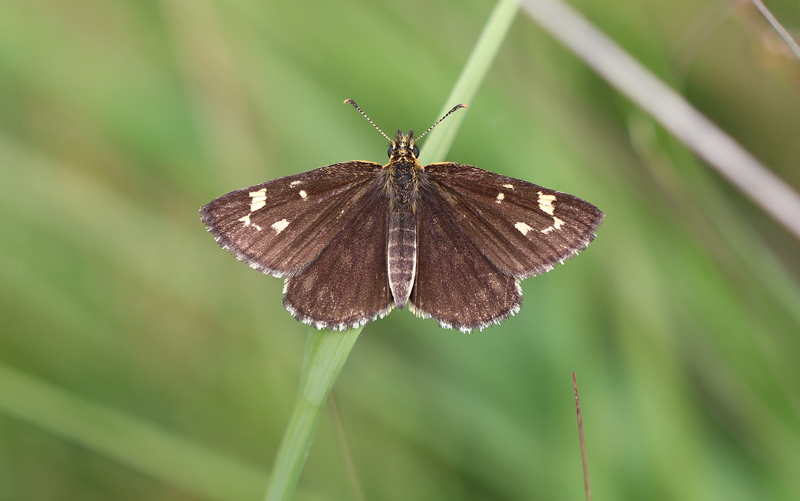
139,361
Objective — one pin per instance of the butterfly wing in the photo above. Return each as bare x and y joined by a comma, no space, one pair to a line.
347,285
522,228
455,283
279,227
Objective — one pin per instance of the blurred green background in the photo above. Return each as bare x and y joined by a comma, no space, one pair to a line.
140,361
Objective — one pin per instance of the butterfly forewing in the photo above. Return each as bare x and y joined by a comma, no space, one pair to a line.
455,283
280,226
347,285
522,228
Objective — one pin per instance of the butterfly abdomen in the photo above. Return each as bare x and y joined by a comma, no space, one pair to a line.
402,254
402,245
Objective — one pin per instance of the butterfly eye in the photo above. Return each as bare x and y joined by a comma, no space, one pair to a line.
415,151
391,150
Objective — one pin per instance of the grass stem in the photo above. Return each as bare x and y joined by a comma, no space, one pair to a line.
475,70
326,354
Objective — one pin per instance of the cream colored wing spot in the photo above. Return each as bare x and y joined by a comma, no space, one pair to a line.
279,226
247,222
557,223
509,186
295,183
303,194
259,199
523,227
546,203
500,197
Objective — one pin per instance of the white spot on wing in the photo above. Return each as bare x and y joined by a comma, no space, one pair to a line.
500,197
295,183
303,194
546,203
279,226
523,227
247,222
259,199
509,186
557,223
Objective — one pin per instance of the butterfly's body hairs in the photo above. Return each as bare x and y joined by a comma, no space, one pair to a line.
353,240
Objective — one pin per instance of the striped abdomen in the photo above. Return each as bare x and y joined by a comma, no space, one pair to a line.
402,252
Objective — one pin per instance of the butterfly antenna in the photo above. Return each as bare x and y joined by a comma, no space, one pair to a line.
440,120
350,101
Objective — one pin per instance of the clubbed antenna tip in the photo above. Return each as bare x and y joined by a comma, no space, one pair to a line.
458,106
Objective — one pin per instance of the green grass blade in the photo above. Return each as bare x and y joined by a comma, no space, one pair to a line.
326,354
480,60
132,442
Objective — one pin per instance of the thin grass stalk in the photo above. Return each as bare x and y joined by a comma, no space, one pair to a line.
669,108
327,351
778,27
347,450
587,483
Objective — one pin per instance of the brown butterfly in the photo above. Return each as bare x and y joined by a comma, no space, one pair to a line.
356,239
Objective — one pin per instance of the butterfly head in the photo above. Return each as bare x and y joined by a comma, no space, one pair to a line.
403,148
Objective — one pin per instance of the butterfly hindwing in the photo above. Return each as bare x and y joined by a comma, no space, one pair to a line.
522,228
455,283
347,284
280,226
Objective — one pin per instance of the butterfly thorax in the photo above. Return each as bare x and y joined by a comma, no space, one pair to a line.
402,173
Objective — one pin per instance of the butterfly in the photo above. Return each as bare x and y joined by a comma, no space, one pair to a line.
356,239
